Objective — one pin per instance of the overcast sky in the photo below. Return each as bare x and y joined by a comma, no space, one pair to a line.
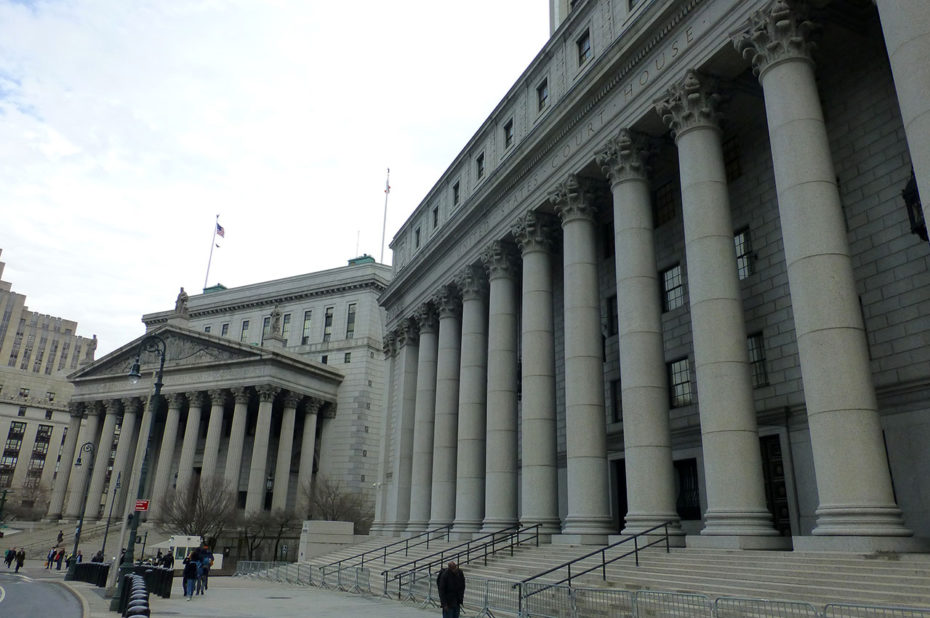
126,126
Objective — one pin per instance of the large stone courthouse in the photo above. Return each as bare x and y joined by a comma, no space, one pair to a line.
679,274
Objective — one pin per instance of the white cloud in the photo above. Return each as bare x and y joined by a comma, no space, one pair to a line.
125,127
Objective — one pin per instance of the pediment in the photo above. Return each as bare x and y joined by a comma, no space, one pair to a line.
184,349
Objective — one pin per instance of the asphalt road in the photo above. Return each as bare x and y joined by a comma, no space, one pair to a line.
20,595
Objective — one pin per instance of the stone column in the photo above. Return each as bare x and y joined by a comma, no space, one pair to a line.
186,481
104,447
647,442
79,480
166,453
424,418
906,26
124,450
56,503
233,467
853,480
211,447
307,447
255,498
540,480
408,357
470,458
446,429
282,471
382,497
732,460
500,502
588,519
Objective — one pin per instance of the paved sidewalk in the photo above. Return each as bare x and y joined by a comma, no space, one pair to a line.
239,597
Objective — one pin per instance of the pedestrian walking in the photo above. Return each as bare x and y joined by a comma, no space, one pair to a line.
189,578
451,585
49,558
59,556
9,556
61,537
20,559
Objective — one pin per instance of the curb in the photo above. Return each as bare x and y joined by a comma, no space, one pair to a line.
85,606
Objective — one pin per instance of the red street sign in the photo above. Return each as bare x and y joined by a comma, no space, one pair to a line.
142,505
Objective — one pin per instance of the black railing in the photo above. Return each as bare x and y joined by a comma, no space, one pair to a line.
404,545
499,540
604,561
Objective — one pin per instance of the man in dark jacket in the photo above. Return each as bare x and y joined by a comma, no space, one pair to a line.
451,584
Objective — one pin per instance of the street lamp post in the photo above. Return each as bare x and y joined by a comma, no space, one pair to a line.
152,344
106,530
87,447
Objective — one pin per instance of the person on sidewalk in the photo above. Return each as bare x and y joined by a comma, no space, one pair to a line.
61,537
9,556
451,585
20,559
59,556
190,577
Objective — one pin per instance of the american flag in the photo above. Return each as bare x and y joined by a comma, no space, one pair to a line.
220,231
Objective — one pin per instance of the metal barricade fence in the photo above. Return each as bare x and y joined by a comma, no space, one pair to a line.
499,596
363,580
604,602
735,607
541,600
842,610
672,605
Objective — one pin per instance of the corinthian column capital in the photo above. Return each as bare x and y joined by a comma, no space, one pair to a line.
534,231
407,333
266,392
572,199
499,260
448,302
780,31
471,282
425,315
624,157
689,104
389,344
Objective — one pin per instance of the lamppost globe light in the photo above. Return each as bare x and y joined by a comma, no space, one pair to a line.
135,372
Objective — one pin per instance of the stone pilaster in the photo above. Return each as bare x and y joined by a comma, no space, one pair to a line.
853,480
588,518
233,468
383,484
445,436
103,447
540,482
732,461
282,472
56,503
255,498
307,448
473,375
211,447
186,481
424,419
500,503
647,448
79,478
407,360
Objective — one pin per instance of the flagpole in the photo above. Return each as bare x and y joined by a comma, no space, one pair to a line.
212,243
387,192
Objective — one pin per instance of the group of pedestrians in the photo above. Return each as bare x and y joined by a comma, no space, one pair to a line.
195,577
17,556
55,556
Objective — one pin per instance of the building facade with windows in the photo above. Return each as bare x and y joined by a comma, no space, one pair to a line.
38,351
267,388
672,278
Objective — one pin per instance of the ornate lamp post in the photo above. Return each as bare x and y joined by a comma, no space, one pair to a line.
106,530
87,447
151,344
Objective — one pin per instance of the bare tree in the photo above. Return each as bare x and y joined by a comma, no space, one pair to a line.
283,522
27,503
205,508
330,501
254,529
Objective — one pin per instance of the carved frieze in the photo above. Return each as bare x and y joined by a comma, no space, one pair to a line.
625,156
780,31
690,103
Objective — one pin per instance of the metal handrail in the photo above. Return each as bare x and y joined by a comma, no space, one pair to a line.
467,548
604,562
384,550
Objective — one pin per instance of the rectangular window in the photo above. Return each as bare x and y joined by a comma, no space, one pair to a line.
50,396
48,415
435,217
616,405
731,157
22,411
305,334
328,324
266,328
612,318
350,321
244,333
225,329
348,358
23,392
456,196
542,95
757,360
324,359
416,238
206,329
673,290
479,166
584,47
679,379
665,203
508,134
743,253
286,326
688,501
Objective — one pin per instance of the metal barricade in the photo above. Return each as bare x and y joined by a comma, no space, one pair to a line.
363,580
842,610
500,596
672,605
735,607
604,602
541,600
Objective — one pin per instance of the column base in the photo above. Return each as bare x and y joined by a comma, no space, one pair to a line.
547,527
579,539
675,539
493,525
738,524
438,523
860,521
393,528
862,544
737,541
580,525
465,530
414,528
